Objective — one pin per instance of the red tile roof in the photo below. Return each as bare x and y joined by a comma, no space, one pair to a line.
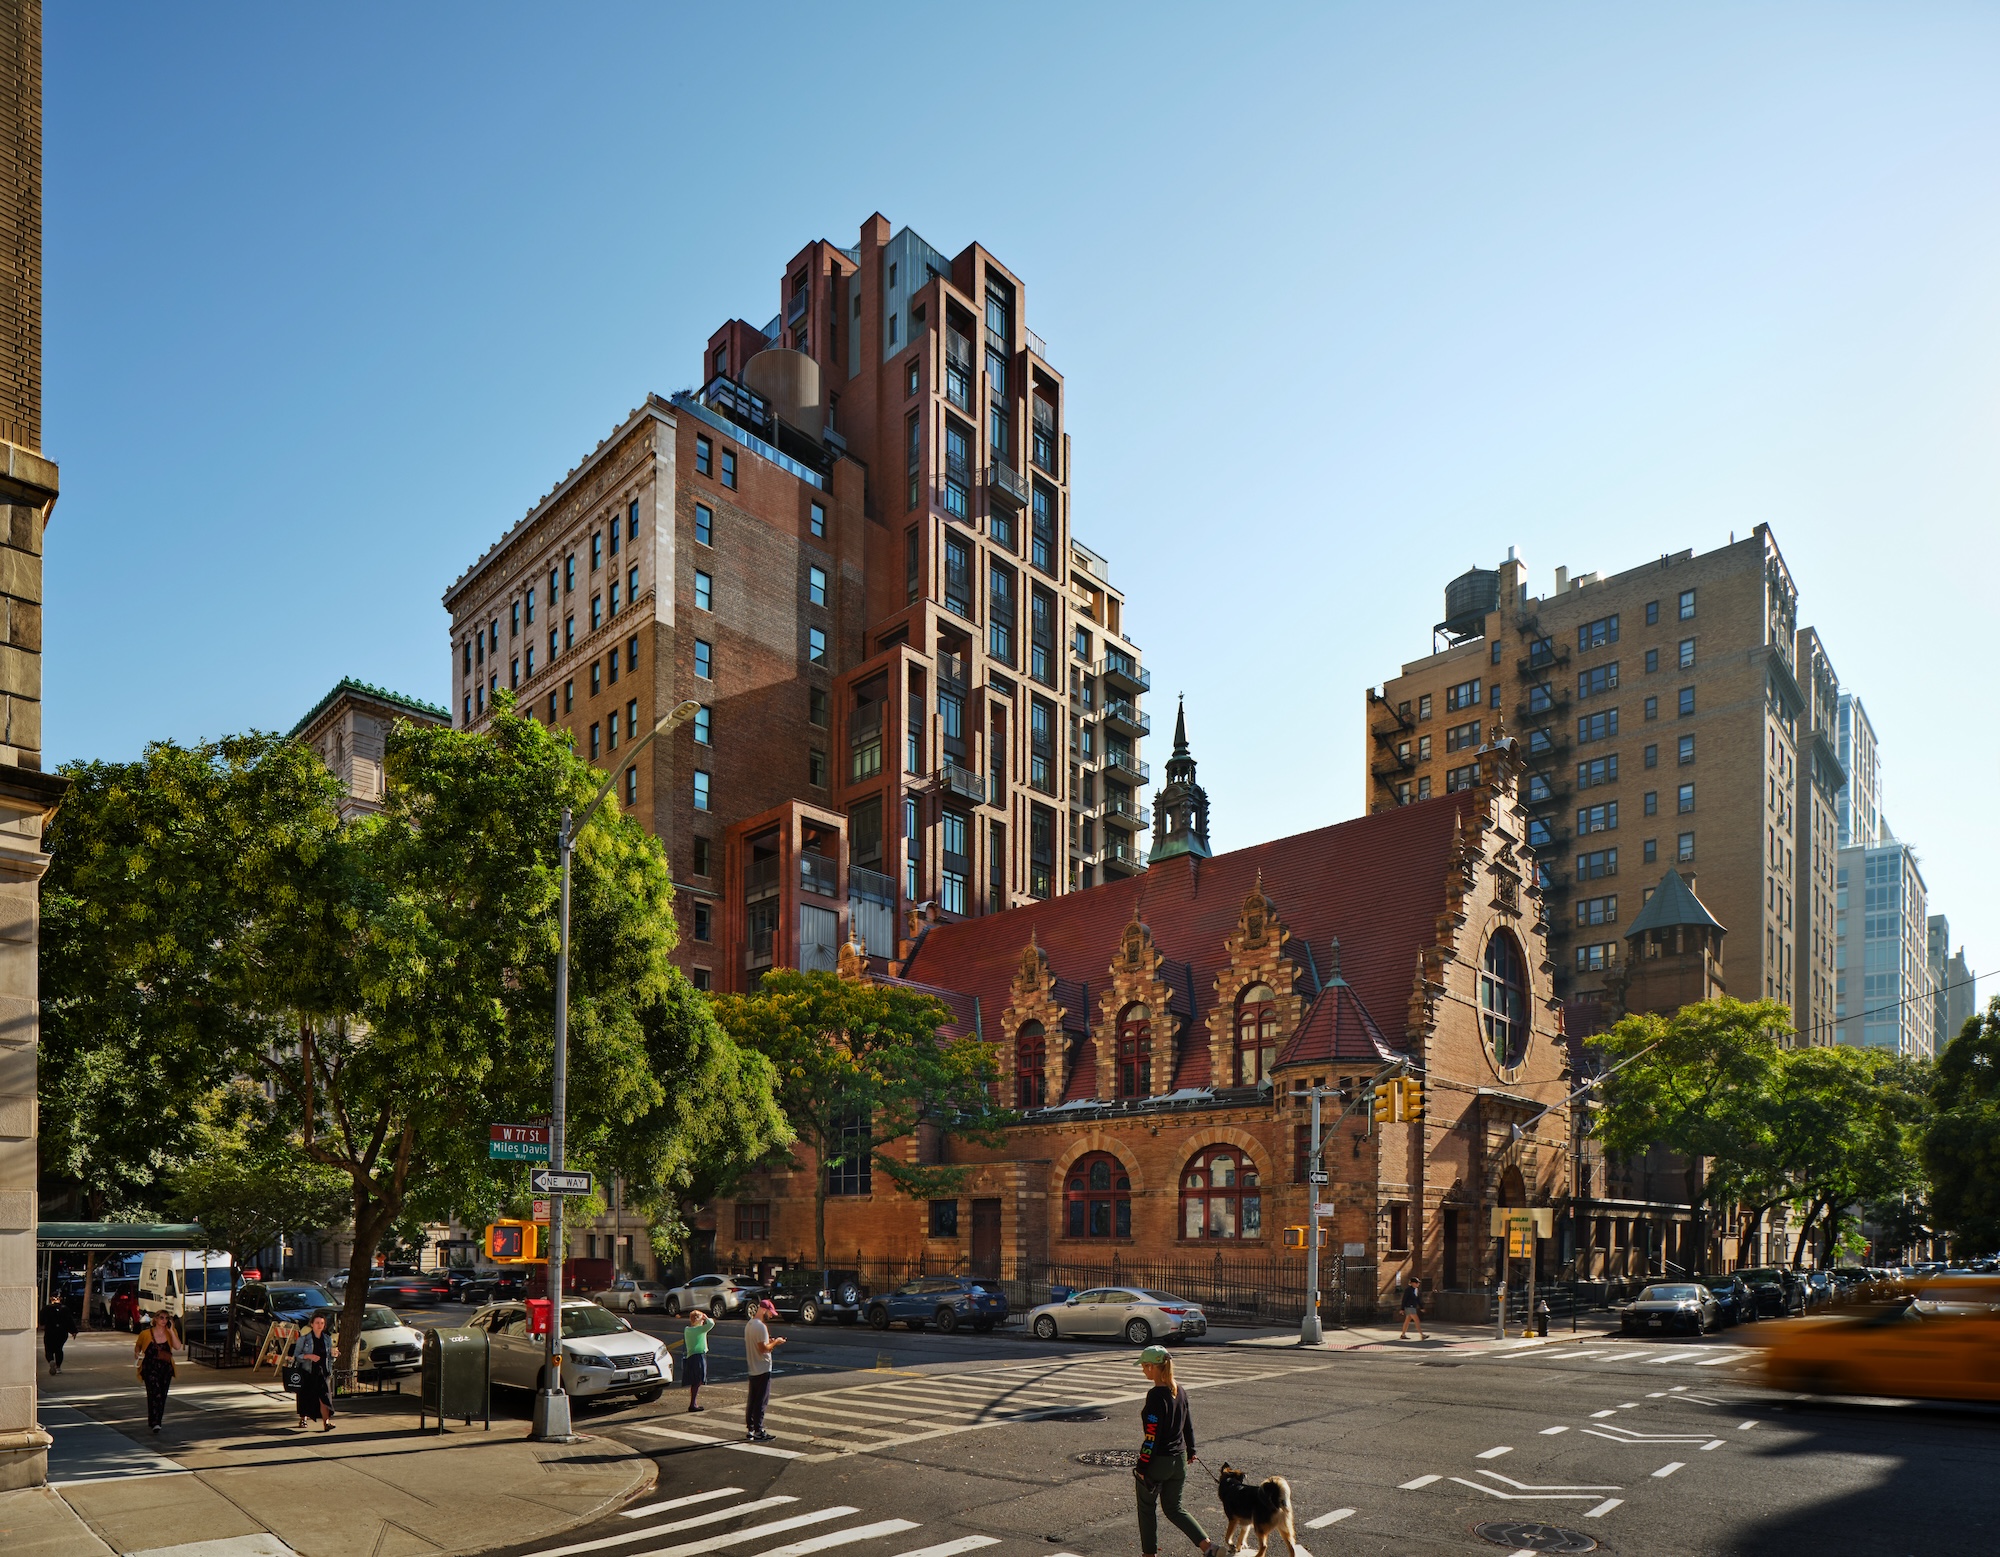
1338,1027
1377,882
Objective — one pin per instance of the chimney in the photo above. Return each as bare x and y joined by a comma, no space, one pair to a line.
1562,579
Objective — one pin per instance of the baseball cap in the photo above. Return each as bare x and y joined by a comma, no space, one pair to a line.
766,1306
1152,1354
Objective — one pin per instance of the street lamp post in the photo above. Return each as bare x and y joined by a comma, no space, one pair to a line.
551,1402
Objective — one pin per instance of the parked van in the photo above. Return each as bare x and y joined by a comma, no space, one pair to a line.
206,1297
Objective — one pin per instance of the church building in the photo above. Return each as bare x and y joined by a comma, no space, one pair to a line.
1158,1035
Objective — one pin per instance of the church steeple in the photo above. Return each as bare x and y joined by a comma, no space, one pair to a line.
1180,809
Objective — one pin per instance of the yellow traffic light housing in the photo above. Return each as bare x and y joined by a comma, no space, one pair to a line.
511,1242
1295,1238
1413,1099
1385,1101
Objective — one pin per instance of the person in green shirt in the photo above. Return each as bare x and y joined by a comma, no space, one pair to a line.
694,1361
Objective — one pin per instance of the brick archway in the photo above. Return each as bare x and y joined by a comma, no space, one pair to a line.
1098,1141
1221,1135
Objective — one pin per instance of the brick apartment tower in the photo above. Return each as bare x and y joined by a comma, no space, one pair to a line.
1673,715
28,796
852,547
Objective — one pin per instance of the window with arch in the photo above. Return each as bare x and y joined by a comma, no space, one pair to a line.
1099,1196
1256,1034
1220,1195
1031,1056
1503,1000
1135,1051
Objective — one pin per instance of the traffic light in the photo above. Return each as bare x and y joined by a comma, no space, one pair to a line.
513,1243
1295,1238
1385,1101
1413,1099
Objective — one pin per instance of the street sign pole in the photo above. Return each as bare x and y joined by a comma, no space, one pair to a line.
552,1424
1309,1327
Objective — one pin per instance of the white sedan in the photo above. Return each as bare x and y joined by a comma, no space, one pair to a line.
716,1295
601,1353
387,1345
1140,1315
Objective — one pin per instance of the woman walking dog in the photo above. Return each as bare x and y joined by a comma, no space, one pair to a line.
1161,1474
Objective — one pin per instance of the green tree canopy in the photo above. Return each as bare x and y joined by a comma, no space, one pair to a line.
1961,1145
860,1065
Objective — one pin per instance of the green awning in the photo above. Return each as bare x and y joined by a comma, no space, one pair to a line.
119,1235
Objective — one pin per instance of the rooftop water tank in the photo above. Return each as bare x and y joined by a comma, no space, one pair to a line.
1467,600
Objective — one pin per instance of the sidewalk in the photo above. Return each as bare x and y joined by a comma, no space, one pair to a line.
232,1473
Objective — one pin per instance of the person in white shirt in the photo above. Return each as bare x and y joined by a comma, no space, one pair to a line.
758,1345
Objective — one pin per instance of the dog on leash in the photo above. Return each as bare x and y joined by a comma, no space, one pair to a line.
1262,1510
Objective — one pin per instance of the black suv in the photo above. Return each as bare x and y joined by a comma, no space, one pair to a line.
493,1287
260,1304
1733,1294
1775,1292
810,1296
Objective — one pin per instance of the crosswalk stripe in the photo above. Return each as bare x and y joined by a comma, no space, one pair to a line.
1711,1362
716,1543
692,1497
769,1450
820,1543
712,1518
965,1543
1333,1518
811,1404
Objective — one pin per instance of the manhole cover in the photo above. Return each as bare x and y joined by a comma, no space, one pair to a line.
1517,1535
1079,1416
1129,1457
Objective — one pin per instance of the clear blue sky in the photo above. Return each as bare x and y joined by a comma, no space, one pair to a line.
1348,299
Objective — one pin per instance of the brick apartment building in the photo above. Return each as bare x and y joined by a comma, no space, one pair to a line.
1155,1034
851,546
1671,715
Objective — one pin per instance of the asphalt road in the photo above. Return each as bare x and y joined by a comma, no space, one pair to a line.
920,1445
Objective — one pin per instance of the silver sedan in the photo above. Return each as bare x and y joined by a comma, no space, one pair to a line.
629,1295
1139,1314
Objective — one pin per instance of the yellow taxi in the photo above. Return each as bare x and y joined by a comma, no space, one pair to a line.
1940,1342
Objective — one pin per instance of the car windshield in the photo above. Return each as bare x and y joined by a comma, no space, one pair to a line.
295,1299
1164,1297
1669,1295
376,1317
649,1286
589,1319
1719,1283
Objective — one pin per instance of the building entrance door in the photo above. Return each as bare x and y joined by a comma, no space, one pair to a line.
986,1240
1451,1249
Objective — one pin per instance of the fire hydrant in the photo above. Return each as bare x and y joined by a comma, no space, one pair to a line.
1542,1318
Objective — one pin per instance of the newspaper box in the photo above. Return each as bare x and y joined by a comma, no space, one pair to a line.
457,1378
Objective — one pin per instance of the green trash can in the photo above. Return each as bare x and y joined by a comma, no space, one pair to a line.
457,1378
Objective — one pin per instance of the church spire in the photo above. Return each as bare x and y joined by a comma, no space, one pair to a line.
1180,809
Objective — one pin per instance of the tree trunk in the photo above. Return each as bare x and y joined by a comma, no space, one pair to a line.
89,1264
1813,1210
819,1208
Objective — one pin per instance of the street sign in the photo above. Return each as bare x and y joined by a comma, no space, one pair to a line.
1354,1251
1322,1209
547,1181
1317,1178
541,1211
1544,1218
517,1143
1521,1241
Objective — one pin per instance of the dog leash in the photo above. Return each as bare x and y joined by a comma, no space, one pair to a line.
1216,1475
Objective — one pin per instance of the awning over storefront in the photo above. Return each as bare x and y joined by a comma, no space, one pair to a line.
57,1236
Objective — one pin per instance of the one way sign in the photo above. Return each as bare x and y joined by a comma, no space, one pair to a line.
548,1181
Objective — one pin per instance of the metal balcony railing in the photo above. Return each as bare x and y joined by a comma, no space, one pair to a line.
797,310
1125,671
963,782
1035,343
760,879
1005,483
951,667
1128,811
1125,762
871,885
1127,717
818,874
1119,851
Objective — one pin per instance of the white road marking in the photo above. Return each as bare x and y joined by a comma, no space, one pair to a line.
1558,1486
1668,1469
716,1543
1713,1443
1602,1508
668,1529
771,1451
1522,1497
1598,1414
1550,1432
1333,1518
1629,1405
1421,1481
1494,1454
1658,1394
820,1543
1744,1427
692,1497
965,1543
1712,1362
1617,1434
1676,1389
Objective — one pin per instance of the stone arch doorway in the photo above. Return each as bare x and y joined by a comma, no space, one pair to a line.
1513,1188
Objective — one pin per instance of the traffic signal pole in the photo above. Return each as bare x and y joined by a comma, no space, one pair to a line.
1309,1327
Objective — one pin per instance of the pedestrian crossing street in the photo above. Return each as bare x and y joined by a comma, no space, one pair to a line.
892,1409
1626,1354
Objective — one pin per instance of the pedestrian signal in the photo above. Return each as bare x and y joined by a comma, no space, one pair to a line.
1413,1098
1295,1238
512,1243
1385,1102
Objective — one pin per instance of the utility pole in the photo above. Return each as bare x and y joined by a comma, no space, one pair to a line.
1309,1327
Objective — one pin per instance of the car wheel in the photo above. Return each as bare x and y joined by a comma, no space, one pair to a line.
809,1312
718,1309
849,1295
1139,1333
947,1320
673,1307
646,1397
878,1316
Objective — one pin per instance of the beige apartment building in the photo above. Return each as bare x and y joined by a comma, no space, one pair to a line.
349,729
1672,715
1106,727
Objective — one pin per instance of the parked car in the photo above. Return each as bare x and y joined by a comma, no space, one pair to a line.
719,1295
810,1296
630,1295
1776,1294
387,1346
946,1301
1732,1296
1819,1290
1139,1314
261,1304
493,1286
409,1291
1687,1308
602,1354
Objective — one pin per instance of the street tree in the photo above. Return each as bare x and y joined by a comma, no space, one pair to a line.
1695,1083
859,1065
1961,1144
